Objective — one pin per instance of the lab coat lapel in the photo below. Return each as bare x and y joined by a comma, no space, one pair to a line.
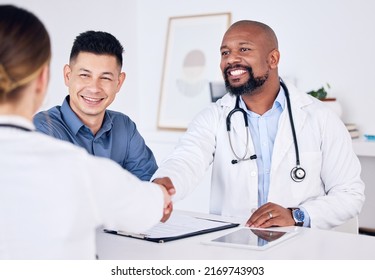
284,138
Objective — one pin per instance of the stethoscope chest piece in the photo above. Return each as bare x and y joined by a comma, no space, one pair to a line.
298,174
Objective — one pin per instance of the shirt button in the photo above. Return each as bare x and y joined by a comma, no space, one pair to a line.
253,173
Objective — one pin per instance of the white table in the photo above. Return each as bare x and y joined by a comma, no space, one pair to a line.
309,244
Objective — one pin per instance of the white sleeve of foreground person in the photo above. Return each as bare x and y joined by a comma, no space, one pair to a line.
122,200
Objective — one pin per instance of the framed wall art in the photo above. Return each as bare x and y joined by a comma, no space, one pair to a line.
191,62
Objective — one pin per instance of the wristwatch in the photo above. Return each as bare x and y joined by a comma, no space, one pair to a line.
298,216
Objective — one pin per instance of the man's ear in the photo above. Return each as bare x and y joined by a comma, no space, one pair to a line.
67,70
274,58
121,80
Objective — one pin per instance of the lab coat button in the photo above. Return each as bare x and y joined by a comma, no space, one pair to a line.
253,173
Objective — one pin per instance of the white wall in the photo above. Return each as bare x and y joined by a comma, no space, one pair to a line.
320,41
66,19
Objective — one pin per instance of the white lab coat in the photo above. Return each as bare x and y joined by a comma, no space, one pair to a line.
53,196
331,193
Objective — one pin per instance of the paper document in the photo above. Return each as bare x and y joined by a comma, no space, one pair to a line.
178,226
181,224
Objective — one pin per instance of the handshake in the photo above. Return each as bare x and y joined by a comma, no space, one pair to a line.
168,190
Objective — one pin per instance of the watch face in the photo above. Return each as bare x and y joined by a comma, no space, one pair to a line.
299,215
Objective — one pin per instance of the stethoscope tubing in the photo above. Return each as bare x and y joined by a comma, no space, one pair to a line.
286,91
297,173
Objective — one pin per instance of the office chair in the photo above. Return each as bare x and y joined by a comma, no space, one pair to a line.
217,90
350,226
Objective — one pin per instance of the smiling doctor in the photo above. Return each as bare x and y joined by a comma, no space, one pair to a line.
279,156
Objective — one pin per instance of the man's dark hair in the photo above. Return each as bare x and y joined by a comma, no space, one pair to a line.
97,42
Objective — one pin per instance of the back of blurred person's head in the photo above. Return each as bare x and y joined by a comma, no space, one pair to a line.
24,49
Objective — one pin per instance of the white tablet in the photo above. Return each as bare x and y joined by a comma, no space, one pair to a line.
253,238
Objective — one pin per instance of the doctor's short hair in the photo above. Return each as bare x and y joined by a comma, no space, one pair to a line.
97,42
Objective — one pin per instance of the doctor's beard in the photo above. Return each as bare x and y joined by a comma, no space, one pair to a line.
251,84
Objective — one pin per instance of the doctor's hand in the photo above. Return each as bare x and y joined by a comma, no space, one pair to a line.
270,215
168,186
168,207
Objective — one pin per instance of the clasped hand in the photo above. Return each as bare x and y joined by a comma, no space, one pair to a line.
169,190
270,215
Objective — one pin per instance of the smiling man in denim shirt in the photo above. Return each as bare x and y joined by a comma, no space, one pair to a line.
93,77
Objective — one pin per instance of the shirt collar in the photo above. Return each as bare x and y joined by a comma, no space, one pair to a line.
107,124
280,99
279,102
70,118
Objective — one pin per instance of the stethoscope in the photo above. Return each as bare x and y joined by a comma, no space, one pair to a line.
297,173
15,126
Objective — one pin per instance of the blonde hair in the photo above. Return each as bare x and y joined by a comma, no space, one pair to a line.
24,50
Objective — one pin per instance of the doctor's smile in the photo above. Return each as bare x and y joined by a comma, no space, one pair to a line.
235,71
236,76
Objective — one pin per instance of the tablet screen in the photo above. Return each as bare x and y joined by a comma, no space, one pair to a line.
253,238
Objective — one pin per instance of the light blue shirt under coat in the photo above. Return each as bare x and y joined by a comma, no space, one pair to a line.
263,130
